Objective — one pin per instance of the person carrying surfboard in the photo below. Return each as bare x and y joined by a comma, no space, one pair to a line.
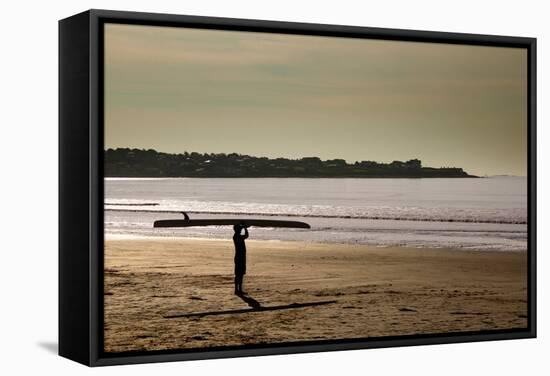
238,239
240,257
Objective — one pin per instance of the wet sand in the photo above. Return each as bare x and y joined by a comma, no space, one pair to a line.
178,293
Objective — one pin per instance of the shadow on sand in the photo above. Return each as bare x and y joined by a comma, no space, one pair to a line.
254,305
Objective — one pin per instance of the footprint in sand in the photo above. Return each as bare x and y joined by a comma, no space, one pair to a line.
407,310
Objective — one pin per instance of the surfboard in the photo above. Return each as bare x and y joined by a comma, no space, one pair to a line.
229,222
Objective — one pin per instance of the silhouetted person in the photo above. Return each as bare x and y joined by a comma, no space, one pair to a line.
240,257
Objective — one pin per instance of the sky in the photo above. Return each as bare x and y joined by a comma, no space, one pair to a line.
180,89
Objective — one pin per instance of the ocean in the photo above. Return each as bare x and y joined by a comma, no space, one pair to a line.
460,213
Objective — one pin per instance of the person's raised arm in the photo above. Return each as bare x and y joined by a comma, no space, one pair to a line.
245,233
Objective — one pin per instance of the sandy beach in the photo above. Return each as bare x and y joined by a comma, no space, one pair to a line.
170,293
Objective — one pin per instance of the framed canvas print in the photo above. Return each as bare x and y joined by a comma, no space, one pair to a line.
235,187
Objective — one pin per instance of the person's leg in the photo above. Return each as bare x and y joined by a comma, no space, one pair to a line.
241,284
238,283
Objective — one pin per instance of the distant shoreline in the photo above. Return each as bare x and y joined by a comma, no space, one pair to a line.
150,164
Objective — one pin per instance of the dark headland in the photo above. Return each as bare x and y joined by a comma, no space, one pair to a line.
124,162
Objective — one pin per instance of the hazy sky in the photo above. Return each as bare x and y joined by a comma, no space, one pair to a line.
176,90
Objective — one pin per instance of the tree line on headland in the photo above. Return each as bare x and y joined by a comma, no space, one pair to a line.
125,162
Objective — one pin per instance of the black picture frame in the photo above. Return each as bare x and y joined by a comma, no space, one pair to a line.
81,184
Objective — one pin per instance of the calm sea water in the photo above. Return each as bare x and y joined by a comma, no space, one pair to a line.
489,213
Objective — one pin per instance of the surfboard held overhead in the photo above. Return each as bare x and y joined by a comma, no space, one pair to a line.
248,222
